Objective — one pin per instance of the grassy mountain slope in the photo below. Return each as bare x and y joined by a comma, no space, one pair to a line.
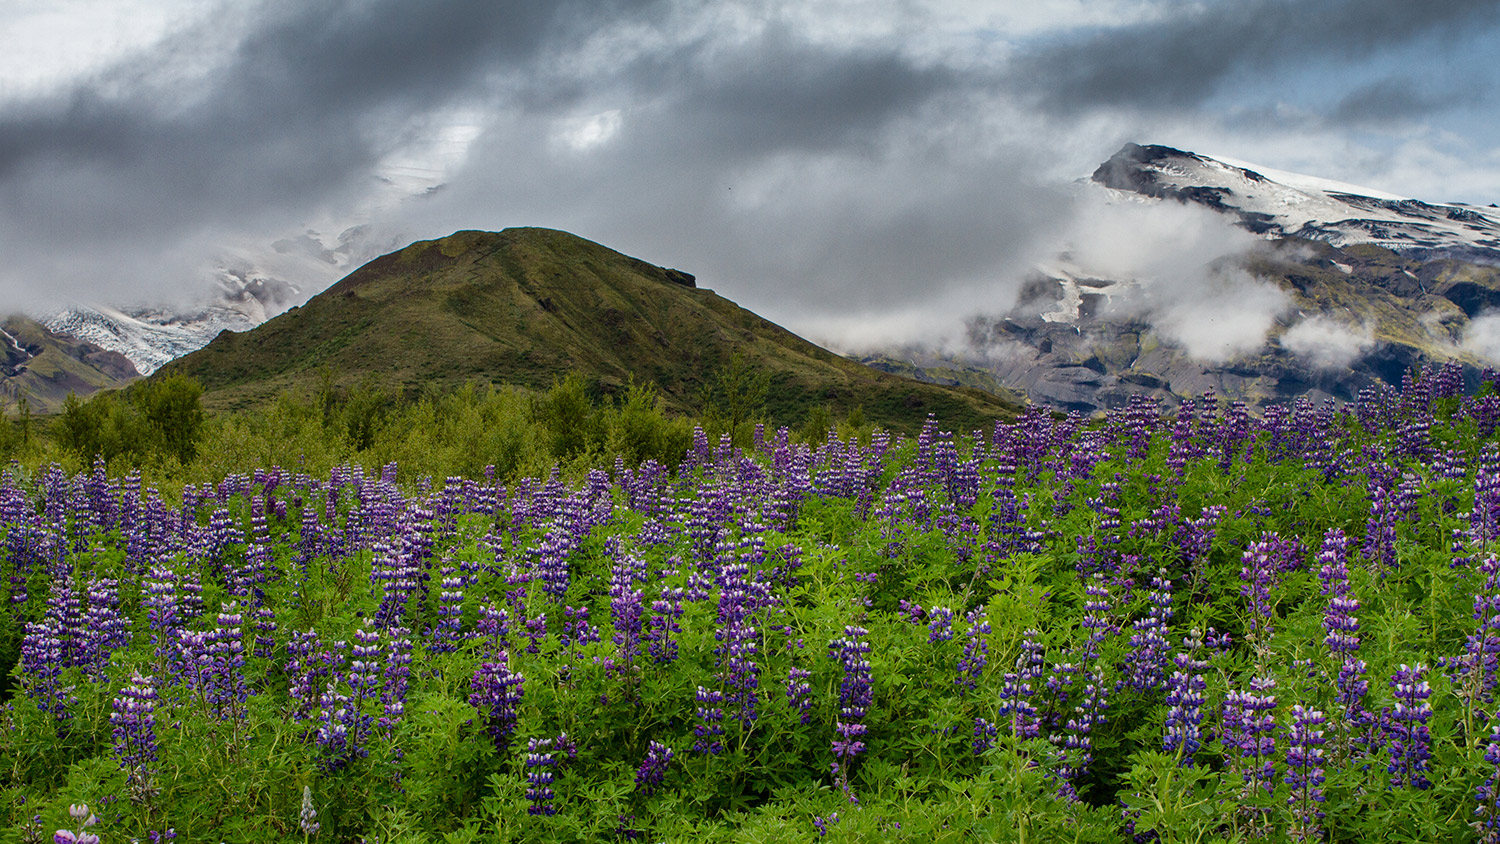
525,306
43,367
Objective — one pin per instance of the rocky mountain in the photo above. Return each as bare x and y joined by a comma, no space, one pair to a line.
1354,287
526,306
1290,205
43,367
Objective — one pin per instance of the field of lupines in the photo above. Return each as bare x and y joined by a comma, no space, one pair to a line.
1191,626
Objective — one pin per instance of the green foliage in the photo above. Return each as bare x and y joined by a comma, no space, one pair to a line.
171,412
573,426
736,394
642,431
161,419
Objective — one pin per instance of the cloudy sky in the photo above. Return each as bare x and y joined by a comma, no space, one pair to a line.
841,166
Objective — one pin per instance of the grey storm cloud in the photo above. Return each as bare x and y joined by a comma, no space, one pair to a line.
297,113
868,168
802,173
1187,54
794,176
1394,98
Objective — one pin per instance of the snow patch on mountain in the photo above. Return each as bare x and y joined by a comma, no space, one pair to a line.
1275,203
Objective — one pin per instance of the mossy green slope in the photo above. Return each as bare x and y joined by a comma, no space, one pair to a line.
43,368
525,306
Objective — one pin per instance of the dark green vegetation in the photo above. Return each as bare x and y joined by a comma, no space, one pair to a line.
524,307
43,368
1205,626
161,418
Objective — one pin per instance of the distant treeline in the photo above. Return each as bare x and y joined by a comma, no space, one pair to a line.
161,427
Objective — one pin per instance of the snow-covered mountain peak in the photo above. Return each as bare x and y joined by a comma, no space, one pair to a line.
1279,204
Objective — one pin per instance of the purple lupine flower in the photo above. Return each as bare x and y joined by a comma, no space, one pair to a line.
221,535
626,604
1341,627
1410,744
663,623
1484,517
307,670
1488,793
496,693
265,633
1019,687
224,670
65,615
550,561
540,761
448,631
821,823
976,650
1186,690
84,819
133,714
577,631
738,639
1145,665
1380,531
799,692
985,732
1182,447
163,613
1259,576
653,769
256,566
536,631
1477,671
1249,737
345,726
856,693
397,569
494,625
107,628
339,744
939,624
1195,538
397,678
1304,772
41,670
1098,607
1077,740
710,726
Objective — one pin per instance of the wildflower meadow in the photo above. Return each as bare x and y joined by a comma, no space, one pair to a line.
1181,625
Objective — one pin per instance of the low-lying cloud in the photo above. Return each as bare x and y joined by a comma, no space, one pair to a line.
1327,343
1181,263
1482,336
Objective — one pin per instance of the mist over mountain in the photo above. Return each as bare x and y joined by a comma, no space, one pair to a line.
1176,273
1184,273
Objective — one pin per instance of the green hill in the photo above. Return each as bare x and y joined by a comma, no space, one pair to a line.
526,306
